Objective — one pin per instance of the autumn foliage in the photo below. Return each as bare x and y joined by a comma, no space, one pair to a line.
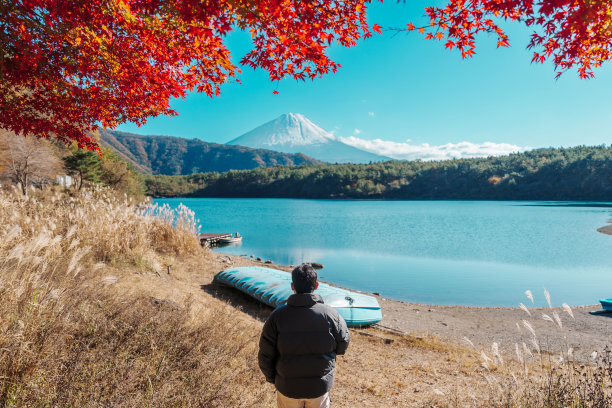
68,66
570,33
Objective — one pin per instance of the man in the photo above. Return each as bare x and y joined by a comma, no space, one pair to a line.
299,344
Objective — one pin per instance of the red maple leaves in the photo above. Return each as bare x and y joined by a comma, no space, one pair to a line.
67,67
570,33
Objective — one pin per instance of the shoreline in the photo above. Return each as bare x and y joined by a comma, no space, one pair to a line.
482,326
607,229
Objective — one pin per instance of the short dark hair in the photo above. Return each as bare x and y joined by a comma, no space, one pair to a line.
304,278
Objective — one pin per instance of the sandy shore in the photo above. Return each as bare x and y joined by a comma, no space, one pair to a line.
416,358
606,230
590,329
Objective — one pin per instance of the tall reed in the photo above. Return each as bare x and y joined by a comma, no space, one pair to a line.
548,378
68,339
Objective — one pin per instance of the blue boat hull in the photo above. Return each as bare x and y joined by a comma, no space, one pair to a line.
273,287
606,304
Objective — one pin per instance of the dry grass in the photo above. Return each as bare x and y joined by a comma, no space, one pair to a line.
69,338
80,327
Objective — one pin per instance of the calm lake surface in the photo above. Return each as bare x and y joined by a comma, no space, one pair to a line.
481,253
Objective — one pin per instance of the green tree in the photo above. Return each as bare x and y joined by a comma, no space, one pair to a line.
84,165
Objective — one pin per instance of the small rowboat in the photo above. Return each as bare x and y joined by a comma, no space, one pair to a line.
273,287
231,240
606,304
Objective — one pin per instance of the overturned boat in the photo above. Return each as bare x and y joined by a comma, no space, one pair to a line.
273,287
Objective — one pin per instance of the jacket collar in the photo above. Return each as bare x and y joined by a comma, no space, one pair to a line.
304,299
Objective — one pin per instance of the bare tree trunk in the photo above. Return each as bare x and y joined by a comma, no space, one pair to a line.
80,180
24,185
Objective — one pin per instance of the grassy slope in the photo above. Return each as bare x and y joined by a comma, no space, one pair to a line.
91,317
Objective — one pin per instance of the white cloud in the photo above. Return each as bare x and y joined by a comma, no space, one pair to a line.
371,113
425,151
356,132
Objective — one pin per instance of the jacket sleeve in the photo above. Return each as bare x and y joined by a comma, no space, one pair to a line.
343,336
267,350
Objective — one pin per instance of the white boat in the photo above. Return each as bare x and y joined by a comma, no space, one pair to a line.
231,240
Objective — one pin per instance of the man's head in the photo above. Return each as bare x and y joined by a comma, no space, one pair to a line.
304,279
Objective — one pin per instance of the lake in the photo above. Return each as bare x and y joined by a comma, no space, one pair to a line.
478,253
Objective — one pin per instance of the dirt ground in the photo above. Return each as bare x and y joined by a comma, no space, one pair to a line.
590,329
417,356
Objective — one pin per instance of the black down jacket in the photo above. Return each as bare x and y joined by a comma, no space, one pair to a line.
299,344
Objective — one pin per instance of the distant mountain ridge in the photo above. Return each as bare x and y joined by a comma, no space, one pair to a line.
295,133
179,156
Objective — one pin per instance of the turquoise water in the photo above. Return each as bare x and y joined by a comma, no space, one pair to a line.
481,253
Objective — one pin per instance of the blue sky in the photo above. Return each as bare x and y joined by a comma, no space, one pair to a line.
405,90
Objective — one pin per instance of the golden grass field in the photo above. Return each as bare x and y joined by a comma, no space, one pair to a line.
92,318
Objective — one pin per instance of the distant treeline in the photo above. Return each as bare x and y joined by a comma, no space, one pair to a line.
578,173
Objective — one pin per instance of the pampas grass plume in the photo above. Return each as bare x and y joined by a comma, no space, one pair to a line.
529,295
519,354
468,341
529,327
523,307
536,345
495,348
557,319
568,310
547,318
547,296
485,357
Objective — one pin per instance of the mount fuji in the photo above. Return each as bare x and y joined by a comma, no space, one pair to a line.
295,133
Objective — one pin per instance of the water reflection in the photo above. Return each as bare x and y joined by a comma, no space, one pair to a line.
439,252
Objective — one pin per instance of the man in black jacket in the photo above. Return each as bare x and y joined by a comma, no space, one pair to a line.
299,344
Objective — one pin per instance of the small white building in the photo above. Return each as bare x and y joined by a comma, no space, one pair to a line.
64,181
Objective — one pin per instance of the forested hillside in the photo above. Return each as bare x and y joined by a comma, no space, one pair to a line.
579,173
175,155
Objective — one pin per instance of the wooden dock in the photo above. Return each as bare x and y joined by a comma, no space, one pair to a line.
208,238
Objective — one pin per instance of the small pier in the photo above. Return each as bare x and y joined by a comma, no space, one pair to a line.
208,239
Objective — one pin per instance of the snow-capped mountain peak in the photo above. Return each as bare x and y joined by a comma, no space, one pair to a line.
290,129
295,133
